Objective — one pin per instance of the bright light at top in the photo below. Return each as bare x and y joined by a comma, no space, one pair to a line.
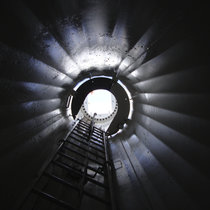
101,102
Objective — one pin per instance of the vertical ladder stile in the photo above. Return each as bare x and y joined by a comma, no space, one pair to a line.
86,162
109,173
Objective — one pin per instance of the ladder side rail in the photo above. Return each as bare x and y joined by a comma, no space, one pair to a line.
45,167
109,174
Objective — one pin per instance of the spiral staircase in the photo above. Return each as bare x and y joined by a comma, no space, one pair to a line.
159,50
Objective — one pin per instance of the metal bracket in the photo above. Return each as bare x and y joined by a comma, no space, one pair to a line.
118,164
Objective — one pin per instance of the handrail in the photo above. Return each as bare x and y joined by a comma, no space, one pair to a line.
108,165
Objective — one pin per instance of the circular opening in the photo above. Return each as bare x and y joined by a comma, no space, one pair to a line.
90,97
102,102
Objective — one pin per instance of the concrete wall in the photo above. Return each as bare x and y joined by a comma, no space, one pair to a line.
33,120
160,52
164,163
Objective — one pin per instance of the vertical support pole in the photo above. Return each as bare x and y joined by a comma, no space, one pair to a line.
109,174
86,162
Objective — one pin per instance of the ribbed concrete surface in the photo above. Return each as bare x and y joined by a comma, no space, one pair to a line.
159,51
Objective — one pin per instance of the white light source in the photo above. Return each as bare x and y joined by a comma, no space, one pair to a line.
101,102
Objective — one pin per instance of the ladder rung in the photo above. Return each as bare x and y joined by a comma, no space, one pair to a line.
91,159
93,153
83,122
96,136
85,143
83,125
94,139
73,170
65,166
81,157
54,199
79,163
58,179
97,130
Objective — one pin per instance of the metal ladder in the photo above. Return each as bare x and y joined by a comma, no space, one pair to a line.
78,177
